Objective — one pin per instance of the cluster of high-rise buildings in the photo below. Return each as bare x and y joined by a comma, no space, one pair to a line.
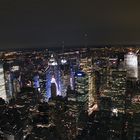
107,73
10,83
105,79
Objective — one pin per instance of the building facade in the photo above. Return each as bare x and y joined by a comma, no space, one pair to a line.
2,83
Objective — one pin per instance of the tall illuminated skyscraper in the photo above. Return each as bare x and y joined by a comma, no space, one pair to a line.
81,88
65,76
118,89
2,83
86,66
8,84
131,65
53,75
65,83
82,99
78,102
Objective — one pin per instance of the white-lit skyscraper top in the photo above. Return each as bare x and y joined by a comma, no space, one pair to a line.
131,60
52,61
81,82
53,76
63,61
2,83
131,64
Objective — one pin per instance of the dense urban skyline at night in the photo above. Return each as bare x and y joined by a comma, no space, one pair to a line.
70,94
69,70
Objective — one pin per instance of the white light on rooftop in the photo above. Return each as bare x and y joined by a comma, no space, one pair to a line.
63,61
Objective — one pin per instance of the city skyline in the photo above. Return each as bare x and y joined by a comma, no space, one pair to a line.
85,93
69,70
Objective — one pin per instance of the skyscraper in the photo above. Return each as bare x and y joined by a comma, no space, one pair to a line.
53,75
65,76
2,83
81,88
118,89
86,66
78,101
8,84
131,64
82,98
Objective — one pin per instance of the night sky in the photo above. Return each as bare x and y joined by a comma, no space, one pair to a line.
46,23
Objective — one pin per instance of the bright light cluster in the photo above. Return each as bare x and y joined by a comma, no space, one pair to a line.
2,84
131,60
131,63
